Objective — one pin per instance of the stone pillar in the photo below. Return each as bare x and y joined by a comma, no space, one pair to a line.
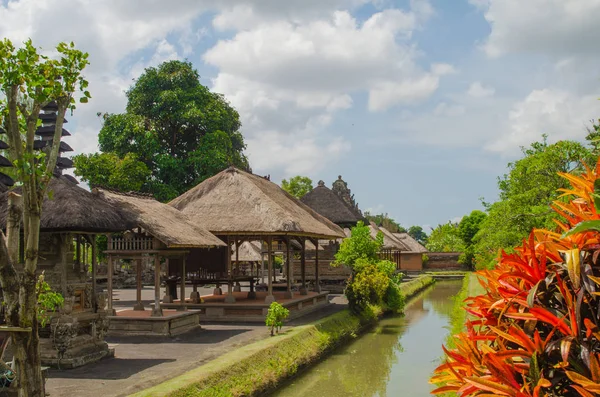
270,298
317,283
157,311
288,269
94,273
303,290
182,288
229,298
139,306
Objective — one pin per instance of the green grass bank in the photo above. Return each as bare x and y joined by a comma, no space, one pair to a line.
261,366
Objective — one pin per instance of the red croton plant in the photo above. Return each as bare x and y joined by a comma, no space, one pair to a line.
536,330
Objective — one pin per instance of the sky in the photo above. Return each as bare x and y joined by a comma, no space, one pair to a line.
418,104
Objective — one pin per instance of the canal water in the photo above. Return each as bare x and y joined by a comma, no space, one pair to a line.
396,358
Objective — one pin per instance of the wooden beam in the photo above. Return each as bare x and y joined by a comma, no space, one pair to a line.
317,281
229,298
270,298
110,285
157,311
303,290
288,268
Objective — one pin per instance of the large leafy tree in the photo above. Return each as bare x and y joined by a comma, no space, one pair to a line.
445,238
526,192
29,81
418,234
180,130
468,228
297,186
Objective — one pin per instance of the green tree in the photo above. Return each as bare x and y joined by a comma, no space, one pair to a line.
418,234
468,228
526,192
359,248
445,238
110,171
383,220
297,186
180,130
29,81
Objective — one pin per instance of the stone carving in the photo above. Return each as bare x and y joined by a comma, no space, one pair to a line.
64,330
102,300
101,328
340,187
67,307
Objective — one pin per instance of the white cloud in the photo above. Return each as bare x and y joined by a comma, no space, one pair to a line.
444,109
559,114
548,27
478,90
289,75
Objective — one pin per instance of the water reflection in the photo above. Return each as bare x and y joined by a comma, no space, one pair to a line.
395,358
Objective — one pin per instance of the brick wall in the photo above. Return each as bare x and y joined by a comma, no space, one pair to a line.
443,261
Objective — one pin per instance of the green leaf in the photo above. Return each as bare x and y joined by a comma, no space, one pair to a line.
583,227
532,294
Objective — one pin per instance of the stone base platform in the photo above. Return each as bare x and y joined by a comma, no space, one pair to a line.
84,352
214,307
130,323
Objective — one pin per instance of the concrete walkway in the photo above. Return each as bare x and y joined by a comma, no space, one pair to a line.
142,362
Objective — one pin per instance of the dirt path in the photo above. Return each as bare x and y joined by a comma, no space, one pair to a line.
141,362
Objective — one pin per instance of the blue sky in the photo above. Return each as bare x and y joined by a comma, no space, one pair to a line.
418,104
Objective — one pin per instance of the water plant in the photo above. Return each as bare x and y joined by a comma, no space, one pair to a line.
535,331
275,317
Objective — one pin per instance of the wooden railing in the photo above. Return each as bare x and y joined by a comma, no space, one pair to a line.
130,243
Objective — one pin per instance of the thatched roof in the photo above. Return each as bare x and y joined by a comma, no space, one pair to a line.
249,251
389,240
163,222
235,202
412,244
71,209
324,201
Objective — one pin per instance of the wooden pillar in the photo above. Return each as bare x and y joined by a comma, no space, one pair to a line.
64,240
157,311
111,311
303,290
270,298
229,298
262,262
94,273
317,283
182,288
167,297
139,306
288,269
78,252
237,287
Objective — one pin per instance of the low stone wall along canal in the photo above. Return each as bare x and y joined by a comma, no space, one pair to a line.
395,358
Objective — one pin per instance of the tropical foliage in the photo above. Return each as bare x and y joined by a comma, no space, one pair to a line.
445,238
535,332
275,317
383,220
374,285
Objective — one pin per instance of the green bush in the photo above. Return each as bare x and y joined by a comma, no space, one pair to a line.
394,300
275,317
367,287
47,300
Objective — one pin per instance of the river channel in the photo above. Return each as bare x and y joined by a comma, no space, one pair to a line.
395,358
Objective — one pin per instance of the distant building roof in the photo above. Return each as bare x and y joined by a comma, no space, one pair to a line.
327,203
410,242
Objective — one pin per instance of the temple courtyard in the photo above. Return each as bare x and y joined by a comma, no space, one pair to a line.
143,361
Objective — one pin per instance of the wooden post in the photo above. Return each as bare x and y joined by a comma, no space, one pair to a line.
262,262
64,239
78,252
111,311
270,298
317,284
182,288
157,311
229,298
237,287
303,290
288,269
139,306
94,273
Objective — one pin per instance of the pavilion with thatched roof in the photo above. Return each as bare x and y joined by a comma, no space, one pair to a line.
238,206
412,258
70,221
158,231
